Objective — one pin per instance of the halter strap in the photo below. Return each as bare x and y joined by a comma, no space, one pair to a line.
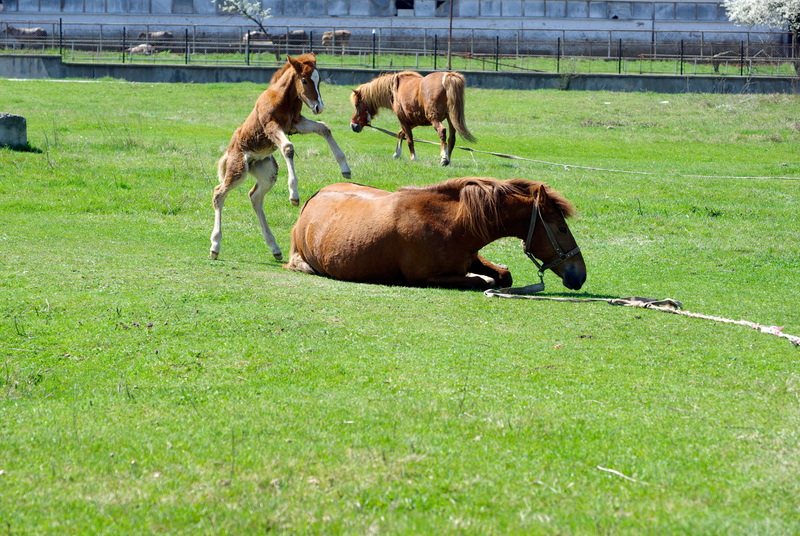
536,214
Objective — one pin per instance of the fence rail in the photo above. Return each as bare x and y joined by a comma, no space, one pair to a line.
563,51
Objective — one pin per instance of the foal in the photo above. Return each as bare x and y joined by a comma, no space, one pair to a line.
275,117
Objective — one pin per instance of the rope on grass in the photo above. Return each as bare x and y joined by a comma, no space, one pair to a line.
567,167
667,305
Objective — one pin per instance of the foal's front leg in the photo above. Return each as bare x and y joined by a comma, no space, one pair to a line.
306,126
406,130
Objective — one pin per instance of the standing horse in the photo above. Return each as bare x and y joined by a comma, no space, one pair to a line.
416,101
431,236
275,117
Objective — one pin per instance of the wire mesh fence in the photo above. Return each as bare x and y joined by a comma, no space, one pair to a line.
574,51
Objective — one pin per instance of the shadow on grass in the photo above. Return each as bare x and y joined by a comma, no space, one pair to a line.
22,148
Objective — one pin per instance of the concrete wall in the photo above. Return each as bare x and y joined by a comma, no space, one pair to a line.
42,67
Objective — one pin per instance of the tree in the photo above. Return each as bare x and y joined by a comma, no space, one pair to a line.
778,14
251,10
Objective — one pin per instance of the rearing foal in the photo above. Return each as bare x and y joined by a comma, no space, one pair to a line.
275,117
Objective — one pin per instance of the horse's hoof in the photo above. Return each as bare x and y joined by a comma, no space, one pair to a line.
295,202
214,255
346,175
278,256
445,163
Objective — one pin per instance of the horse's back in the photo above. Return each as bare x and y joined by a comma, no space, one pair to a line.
348,231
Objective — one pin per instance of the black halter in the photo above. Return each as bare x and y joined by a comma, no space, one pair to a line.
536,214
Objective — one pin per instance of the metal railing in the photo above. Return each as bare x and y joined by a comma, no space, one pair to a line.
563,51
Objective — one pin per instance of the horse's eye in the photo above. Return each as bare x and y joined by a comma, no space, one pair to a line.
305,81
562,230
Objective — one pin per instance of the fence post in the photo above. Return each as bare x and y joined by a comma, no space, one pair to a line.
497,53
741,59
435,49
681,57
311,41
373,48
619,57
247,49
123,44
60,37
186,43
558,55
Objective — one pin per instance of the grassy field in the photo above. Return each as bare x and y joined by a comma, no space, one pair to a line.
147,389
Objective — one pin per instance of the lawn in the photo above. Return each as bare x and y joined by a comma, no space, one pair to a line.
145,388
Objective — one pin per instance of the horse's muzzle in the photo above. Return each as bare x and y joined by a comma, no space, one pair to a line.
316,107
355,127
573,277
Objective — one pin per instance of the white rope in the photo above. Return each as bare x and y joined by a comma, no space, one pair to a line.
567,167
667,305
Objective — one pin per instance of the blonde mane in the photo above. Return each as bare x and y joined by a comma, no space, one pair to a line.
479,199
380,92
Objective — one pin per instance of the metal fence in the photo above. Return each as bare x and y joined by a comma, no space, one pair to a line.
563,51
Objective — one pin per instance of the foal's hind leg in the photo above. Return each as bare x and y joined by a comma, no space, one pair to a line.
266,173
231,170
409,141
451,139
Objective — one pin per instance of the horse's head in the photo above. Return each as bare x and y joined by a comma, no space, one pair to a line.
307,81
361,116
551,240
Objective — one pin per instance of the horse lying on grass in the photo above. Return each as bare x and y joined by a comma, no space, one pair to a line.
416,101
275,117
431,236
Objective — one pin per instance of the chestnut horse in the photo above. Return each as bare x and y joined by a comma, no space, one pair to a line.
275,117
416,101
431,236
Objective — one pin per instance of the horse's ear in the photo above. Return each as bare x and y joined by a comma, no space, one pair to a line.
540,194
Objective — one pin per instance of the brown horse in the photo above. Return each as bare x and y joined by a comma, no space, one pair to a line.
416,101
275,117
431,236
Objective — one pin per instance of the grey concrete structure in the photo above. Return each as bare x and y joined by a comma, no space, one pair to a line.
13,131
48,66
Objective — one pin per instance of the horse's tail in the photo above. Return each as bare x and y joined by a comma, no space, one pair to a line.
222,167
454,84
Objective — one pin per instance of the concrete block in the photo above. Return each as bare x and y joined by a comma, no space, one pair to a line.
138,6
641,11
13,130
50,6
337,8
533,8
511,8
707,12
71,6
468,8
161,6
205,7
94,6
686,11
314,8
619,11
425,8
665,11
598,10
577,10
275,7
555,9
28,5
491,8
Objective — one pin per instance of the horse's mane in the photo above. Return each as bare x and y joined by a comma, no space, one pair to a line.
380,92
302,58
479,198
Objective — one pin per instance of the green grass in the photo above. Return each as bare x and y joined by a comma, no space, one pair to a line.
147,389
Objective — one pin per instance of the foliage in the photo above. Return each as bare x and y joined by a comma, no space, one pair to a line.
251,10
147,389
772,13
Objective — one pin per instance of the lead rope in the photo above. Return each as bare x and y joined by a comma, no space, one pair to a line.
667,305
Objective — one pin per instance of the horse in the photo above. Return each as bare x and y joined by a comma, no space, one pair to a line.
276,116
432,235
163,35
25,35
336,38
141,49
416,101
